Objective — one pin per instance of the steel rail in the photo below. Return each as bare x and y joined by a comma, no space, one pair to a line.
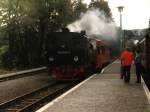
29,100
48,97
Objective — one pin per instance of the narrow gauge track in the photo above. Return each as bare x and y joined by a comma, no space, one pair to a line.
37,98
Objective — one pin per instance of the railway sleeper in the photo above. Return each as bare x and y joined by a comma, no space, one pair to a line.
11,110
31,100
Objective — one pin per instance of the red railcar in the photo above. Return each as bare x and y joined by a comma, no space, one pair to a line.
102,54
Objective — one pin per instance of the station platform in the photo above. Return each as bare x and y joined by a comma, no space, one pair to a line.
104,92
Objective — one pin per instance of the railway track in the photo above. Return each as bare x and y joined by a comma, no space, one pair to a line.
30,101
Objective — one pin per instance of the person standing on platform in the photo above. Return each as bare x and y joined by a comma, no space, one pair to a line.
126,61
121,70
138,65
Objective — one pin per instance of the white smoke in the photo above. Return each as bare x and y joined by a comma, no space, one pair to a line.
94,22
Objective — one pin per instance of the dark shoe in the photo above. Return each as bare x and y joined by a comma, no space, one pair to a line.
121,76
138,81
127,81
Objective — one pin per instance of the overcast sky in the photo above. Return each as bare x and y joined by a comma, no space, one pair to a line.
136,13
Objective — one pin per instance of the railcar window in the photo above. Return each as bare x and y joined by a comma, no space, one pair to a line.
99,50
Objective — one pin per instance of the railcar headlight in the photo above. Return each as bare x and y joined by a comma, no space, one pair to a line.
76,58
51,59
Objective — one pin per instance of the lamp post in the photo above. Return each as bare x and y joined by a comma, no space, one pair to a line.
149,24
120,9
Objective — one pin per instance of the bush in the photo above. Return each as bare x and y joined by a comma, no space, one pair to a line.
5,58
3,51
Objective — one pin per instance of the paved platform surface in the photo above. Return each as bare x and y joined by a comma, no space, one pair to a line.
21,72
104,92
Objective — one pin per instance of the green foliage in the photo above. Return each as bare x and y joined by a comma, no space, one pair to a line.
79,8
24,25
3,36
102,6
3,50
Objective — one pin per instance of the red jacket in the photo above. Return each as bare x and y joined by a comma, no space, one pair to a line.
126,58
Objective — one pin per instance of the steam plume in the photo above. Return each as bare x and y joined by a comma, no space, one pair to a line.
94,22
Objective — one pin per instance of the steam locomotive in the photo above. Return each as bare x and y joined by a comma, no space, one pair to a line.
71,55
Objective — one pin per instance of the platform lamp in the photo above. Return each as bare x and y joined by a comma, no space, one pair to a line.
122,44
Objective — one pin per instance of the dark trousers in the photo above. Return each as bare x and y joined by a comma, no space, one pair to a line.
121,72
126,73
138,68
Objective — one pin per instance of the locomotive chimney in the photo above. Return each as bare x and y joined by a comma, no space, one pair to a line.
83,32
65,30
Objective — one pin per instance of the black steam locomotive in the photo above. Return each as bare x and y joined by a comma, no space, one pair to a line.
69,55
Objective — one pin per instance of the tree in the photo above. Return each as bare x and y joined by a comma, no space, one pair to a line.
27,23
79,8
102,6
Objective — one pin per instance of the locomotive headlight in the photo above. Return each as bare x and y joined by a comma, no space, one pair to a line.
76,58
51,59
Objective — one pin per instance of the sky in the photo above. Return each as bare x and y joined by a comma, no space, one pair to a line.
135,15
